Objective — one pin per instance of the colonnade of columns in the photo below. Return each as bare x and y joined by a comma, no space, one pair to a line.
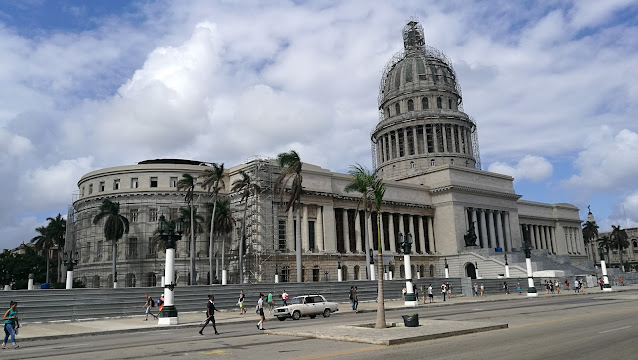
574,240
542,237
491,227
424,139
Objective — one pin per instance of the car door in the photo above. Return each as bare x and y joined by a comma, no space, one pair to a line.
308,307
320,304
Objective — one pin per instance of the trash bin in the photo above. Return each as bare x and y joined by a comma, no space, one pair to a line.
411,320
44,286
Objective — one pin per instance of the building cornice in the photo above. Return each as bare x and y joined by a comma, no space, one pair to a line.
471,190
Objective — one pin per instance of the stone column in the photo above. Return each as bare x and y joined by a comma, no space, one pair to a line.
329,229
568,240
541,236
372,239
508,231
548,238
319,231
396,144
581,242
290,231
474,221
443,130
458,137
484,242
490,224
305,239
554,243
381,232
537,238
357,230
431,235
499,229
405,142
391,232
401,225
411,225
421,235
435,139
346,232
415,140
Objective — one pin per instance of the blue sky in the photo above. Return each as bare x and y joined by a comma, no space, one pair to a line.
552,86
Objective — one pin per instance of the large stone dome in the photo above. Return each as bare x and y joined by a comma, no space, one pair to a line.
422,123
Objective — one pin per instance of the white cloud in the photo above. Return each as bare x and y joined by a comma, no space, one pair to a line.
609,163
533,168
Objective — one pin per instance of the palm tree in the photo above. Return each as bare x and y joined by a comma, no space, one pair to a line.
247,188
213,181
291,164
606,243
224,223
619,240
192,227
362,178
115,226
590,233
57,230
43,242
378,191
187,183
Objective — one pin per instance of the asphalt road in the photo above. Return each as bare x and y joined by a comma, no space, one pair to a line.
574,327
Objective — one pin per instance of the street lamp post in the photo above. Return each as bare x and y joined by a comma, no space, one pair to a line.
603,268
170,232
339,269
372,273
7,281
70,261
476,270
447,269
527,248
410,297
30,285
507,268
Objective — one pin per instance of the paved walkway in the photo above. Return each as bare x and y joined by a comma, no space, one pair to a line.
52,330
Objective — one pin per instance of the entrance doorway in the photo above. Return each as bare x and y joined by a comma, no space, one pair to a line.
470,271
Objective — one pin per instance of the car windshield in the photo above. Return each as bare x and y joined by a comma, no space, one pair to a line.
298,300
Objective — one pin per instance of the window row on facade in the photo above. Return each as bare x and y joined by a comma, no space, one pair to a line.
131,183
422,103
424,139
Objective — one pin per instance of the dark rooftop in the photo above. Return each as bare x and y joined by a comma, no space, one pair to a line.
171,161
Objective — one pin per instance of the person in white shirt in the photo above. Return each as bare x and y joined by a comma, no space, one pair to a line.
430,294
260,310
443,290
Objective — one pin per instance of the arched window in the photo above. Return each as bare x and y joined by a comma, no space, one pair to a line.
449,103
635,244
356,272
422,270
439,103
344,272
432,163
130,280
397,109
431,270
425,103
411,164
151,279
96,282
387,112
285,272
402,272
410,105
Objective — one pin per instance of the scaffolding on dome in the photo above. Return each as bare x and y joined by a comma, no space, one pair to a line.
475,144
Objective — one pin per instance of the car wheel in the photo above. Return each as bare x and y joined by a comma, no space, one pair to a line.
296,315
281,318
326,313
312,316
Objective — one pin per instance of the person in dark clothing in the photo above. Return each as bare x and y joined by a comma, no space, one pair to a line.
210,315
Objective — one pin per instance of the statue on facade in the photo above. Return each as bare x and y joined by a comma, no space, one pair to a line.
470,237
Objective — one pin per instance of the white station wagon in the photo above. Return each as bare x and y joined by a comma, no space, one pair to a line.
306,305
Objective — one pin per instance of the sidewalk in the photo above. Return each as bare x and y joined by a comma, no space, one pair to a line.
53,330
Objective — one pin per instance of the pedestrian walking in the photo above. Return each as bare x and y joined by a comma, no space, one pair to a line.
403,292
475,288
210,315
11,324
482,290
430,294
284,297
355,300
518,287
581,286
271,303
443,290
506,288
160,304
448,286
557,286
240,302
601,282
576,286
260,311
621,280
148,305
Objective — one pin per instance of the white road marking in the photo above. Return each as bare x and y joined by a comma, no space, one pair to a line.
621,328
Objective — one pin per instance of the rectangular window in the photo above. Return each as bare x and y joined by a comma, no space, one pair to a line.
87,254
90,189
134,183
98,250
131,251
101,186
311,235
134,215
173,182
152,215
82,192
152,249
282,235
153,182
116,184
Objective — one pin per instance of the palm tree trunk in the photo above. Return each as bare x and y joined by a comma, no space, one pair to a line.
367,245
114,270
298,244
380,300
622,268
192,231
223,250
241,245
48,260
210,244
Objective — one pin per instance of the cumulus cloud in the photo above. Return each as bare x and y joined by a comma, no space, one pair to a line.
609,163
533,168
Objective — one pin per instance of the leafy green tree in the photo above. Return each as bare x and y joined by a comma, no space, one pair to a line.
362,178
187,183
247,188
224,223
115,226
43,242
606,243
590,233
57,230
619,241
213,181
19,266
291,165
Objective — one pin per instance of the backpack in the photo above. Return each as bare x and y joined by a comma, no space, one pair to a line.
350,296
152,302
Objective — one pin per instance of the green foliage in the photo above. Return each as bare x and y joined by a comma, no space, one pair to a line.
20,266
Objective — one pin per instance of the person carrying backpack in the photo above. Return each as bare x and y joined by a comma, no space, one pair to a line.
148,305
11,324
